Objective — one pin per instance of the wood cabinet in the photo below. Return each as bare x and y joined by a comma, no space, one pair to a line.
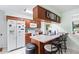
58,19
1,49
38,21
27,38
28,22
51,16
42,13
40,46
39,12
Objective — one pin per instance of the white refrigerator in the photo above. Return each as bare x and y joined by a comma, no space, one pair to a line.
15,34
20,33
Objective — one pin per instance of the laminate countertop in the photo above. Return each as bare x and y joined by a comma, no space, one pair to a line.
44,38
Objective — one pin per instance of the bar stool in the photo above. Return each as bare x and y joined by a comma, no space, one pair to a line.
61,43
30,48
64,39
58,43
50,49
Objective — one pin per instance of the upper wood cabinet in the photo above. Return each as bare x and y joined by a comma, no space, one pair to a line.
42,13
29,23
39,12
58,19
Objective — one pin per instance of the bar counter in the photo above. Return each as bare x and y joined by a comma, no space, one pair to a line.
41,40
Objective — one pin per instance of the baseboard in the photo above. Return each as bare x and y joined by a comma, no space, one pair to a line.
16,49
73,49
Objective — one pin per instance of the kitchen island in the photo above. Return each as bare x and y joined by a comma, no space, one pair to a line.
41,40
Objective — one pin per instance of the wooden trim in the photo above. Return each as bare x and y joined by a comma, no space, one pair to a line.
14,18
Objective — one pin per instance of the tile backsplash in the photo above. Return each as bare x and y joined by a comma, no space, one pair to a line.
32,30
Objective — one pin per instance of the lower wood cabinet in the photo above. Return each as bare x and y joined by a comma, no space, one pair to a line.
39,46
27,38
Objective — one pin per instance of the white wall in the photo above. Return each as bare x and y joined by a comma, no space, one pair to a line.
57,27
12,13
2,29
66,23
67,18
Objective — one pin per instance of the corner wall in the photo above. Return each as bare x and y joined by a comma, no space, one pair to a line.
3,29
66,23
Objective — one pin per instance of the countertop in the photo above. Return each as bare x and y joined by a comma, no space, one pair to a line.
44,38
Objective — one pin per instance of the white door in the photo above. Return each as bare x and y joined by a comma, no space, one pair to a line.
11,35
2,30
20,34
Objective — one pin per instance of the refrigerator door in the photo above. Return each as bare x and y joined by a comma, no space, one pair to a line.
20,34
11,35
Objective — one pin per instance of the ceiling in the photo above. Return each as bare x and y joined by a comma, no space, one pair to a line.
20,8
16,8
61,8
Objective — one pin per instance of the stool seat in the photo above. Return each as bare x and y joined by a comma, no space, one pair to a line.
30,48
50,48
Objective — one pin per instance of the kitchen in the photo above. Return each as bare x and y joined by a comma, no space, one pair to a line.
39,29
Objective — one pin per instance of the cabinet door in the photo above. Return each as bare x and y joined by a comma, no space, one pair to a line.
27,38
58,19
38,12
41,13
27,23
38,22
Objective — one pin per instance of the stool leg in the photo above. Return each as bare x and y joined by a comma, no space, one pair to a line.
60,49
65,47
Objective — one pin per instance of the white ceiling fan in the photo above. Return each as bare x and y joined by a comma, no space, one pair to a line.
28,11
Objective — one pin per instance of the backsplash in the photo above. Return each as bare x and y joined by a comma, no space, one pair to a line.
34,31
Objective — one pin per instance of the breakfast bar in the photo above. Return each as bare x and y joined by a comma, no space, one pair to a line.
41,40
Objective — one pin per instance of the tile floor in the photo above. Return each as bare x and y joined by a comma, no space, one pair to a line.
18,51
22,51
70,51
